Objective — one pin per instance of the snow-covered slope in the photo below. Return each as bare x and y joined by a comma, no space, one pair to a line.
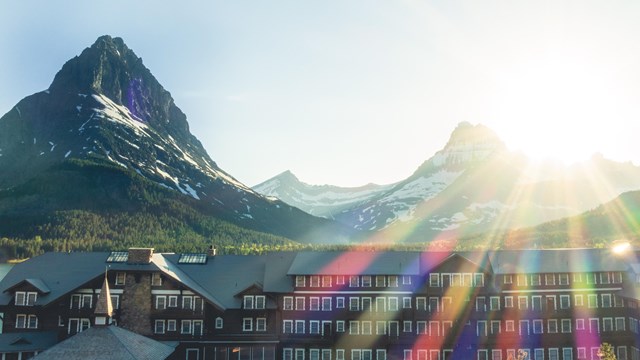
319,200
105,107
473,184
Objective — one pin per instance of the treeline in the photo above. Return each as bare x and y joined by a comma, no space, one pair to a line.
78,230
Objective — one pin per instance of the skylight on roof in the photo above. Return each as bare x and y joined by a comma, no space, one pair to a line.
193,259
118,257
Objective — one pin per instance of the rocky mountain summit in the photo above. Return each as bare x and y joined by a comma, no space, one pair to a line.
105,109
473,185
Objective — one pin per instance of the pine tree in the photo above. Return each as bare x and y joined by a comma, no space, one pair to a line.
606,352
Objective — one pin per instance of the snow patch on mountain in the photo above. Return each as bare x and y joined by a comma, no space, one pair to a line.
120,114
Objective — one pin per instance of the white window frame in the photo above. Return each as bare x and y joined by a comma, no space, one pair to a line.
186,327
434,280
261,324
287,327
197,327
406,326
159,326
326,304
287,303
172,325
354,327
156,279
392,303
247,324
121,278
260,302
314,327
21,321
248,302
161,302
190,302
314,303
406,302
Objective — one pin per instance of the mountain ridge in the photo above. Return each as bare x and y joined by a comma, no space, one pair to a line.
105,107
472,185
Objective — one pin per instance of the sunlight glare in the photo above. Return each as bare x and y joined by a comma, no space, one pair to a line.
555,106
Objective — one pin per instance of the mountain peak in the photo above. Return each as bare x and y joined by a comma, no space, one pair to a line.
110,68
108,42
466,134
287,175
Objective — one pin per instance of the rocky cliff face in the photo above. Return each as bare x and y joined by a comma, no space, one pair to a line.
105,107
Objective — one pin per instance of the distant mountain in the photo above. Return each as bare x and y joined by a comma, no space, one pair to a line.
618,219
320,200
474,184
106,137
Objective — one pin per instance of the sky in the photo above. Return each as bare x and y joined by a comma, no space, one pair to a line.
349,92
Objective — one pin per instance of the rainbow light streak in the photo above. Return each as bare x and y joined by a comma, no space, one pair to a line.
586,337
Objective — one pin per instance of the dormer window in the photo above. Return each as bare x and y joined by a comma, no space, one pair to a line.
156,279
120,278
248,302
300,281
26,298
254,302
260,302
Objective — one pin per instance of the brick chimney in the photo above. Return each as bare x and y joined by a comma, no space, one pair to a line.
139,256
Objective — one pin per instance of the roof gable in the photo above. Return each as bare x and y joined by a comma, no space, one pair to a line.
54,274
456,262
251,289
37,283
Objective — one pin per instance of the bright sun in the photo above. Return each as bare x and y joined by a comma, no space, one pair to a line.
565,100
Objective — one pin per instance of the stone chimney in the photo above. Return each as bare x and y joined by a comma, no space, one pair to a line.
212,251
139,256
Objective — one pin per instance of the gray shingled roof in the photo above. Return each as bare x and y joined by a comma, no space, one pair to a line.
355,263
60,273
275,273
226,276
177,271
27,341
556,261
223,277
108,342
